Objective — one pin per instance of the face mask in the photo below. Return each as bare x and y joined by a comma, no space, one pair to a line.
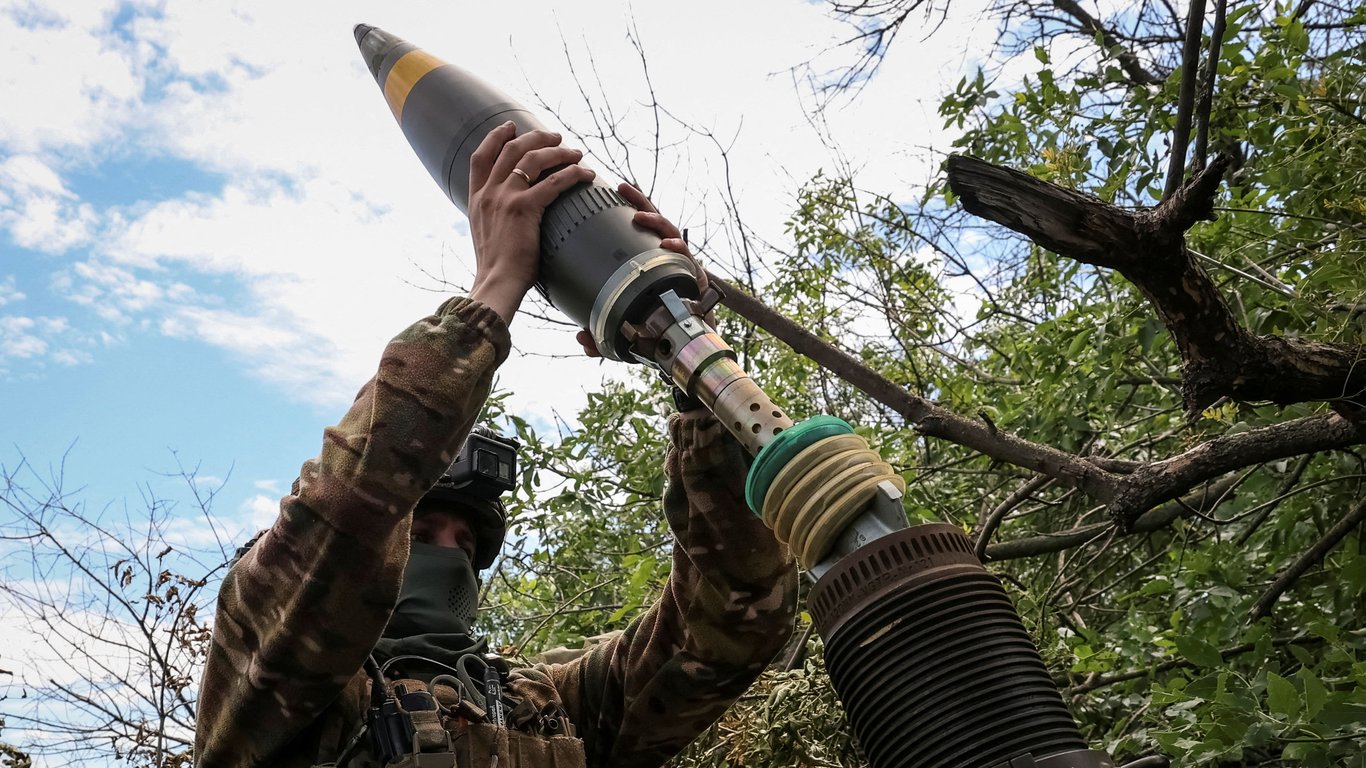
440,593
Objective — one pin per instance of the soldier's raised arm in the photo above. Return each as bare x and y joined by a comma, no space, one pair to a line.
299,613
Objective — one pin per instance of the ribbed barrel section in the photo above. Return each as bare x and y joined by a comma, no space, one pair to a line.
932,663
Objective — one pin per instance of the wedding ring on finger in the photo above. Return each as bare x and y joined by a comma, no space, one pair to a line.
524,175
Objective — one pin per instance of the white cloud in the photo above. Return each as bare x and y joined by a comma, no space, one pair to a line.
29,337
37,340
9,291
327,229
18,337
37,208
258,512
115,294
69,84
72,357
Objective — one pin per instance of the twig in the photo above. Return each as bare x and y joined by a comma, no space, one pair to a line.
798,654
1128,62
998,515
1155,520
1262,608
1185,105
1206,105
1281,493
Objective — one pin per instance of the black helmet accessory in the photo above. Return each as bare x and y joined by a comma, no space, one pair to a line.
484,469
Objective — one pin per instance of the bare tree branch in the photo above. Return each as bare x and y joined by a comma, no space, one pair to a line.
1128,61
1185,105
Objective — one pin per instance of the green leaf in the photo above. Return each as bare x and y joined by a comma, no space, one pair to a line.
1079,342
1281,697
1239,12
1354,575
1287,90
1315,694
1157,586
1146,334
1301,655
1198,652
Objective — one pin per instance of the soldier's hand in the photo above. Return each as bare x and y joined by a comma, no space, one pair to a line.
670,239
506,205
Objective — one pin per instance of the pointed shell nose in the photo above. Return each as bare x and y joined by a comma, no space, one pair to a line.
374,44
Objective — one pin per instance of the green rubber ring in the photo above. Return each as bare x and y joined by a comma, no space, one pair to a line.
787,444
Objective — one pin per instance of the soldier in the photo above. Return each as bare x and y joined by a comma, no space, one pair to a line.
294,676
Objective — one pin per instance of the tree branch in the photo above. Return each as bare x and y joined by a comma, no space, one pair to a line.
1159,481
1128,61
1220,357
1264,605
1128,493
1185,105
927,418
1202,501
1206,102
998,515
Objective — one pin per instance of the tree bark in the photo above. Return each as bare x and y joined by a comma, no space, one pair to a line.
1220,357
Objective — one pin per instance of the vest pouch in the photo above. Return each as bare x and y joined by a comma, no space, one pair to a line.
423,761
481,742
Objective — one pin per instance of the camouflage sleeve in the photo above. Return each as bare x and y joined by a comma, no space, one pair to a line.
726,611
302,608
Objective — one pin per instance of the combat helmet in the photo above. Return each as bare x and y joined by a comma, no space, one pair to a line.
484,470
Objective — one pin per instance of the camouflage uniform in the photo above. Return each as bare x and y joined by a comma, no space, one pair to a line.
299,613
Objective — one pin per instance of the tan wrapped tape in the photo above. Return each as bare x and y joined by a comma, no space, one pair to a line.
821,490
798,511
831,474
802,467
821,533
821,503
837,463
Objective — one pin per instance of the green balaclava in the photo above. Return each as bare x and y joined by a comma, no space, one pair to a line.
440,593
433,620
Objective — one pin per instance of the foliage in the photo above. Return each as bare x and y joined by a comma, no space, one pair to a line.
1149,634
590,545
116,602
788,718
1287,248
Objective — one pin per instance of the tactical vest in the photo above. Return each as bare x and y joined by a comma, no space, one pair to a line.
443,730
